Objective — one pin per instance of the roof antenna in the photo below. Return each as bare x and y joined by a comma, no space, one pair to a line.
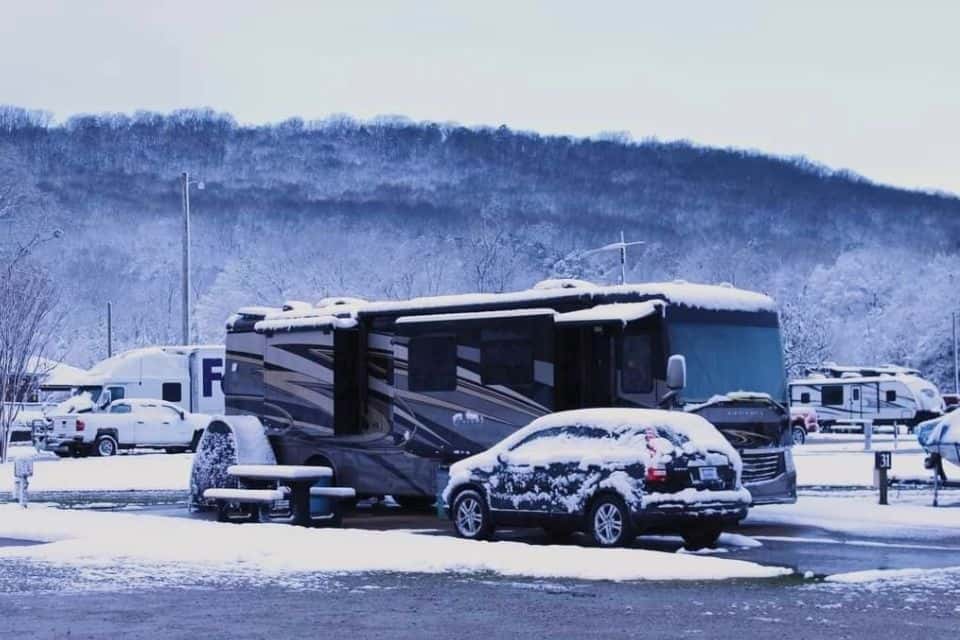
622,248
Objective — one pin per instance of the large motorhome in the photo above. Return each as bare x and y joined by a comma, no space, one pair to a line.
847,397
189,376
385,392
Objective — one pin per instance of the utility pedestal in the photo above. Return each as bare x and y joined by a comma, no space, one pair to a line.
22,472
882,462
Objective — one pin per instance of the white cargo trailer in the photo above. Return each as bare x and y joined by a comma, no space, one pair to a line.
188,376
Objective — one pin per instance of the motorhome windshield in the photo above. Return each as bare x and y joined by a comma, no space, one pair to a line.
723,357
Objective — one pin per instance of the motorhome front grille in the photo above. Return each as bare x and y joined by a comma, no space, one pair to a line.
760,467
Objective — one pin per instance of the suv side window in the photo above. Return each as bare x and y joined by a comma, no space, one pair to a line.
552,432
583,431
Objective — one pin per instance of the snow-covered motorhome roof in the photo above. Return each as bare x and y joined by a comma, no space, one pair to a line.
476,315
286,323
618,312
698,296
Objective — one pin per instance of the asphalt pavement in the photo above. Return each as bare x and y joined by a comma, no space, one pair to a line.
451,606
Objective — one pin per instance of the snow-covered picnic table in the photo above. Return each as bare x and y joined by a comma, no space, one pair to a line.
266,484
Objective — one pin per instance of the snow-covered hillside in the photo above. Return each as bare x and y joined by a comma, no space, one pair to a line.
390,209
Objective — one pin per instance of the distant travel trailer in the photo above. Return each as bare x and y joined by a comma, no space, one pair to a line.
188,376
847,397
386,392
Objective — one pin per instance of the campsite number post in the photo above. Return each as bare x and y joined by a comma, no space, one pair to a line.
882,462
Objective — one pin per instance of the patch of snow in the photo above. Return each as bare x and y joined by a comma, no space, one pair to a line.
281,323
739,540
477,315
844,463
119,540
619,312
895,575
858,514
552,284
159,472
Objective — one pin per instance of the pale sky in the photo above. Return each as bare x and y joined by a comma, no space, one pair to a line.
871,86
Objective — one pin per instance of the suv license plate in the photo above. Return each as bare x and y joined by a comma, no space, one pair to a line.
709,473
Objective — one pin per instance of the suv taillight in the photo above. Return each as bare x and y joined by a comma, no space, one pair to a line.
656,474
81,425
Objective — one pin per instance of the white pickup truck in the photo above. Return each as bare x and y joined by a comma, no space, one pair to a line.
123,424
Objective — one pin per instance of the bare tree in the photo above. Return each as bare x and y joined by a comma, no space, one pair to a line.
805,336
27,297
27,302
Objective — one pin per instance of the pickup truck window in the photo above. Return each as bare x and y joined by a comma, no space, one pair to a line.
120,408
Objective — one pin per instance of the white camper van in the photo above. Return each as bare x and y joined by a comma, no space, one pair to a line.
847,397
188,376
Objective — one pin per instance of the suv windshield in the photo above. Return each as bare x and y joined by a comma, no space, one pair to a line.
722,358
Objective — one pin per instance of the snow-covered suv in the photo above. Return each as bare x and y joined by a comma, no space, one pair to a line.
610,472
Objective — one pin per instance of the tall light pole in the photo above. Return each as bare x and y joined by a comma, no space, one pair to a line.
622,248
185,183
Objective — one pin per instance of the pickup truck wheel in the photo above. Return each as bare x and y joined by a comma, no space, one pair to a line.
799,435
105,446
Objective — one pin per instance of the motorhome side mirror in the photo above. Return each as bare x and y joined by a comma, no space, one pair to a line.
676,372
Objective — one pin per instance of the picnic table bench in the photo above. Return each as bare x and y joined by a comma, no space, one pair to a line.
294,494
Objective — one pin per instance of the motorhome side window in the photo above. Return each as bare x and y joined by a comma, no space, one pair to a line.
171,391
832,395
636,374
891,395
116,393
506,358
432,363
805,397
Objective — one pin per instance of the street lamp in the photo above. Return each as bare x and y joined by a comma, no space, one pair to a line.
622,248
185,183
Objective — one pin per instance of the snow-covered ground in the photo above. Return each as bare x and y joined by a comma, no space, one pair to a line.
119,540
138,471
833,460
858,514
